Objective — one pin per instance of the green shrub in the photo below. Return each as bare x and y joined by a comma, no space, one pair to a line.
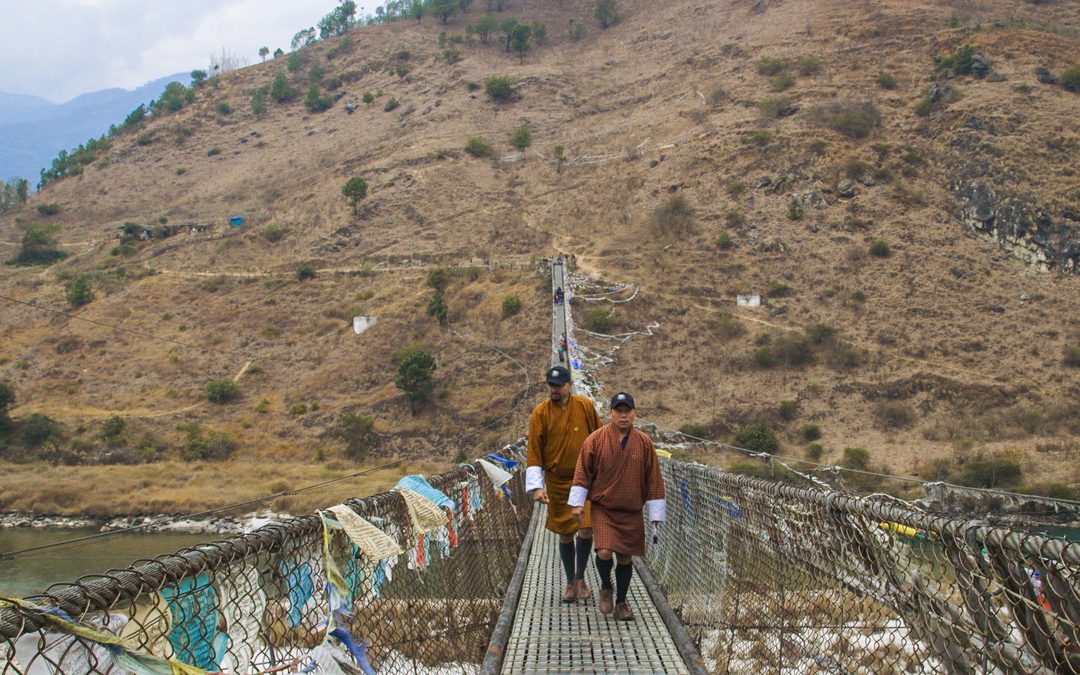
771,66
808,65
1070,79
735,188
757,438
451,55
793,348
856,458
258,103
778,289
274,233
438,279
961,61
1071,356
499,88
894,414
391,105
783,81
49,209
795,209
760,137
298,408
79,292
811,432
478,147
213,152
734,219
358,432
724,241
924,107
880,249
215,446
600,319
820,333
788,410
221,391
472,86
281,91
295,62
315,101
305,272
36,429
438,308
886,80
815,451
1051,489
415,376
854,120
39,247
764,357
224,108
369,98
511,305
993,472
112,429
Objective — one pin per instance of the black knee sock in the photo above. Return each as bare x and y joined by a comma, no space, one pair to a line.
566,552
583,548
622,581
604,568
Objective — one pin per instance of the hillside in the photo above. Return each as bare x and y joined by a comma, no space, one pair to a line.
33,130
933,244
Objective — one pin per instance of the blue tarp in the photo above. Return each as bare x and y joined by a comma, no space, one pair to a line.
236,221
193,603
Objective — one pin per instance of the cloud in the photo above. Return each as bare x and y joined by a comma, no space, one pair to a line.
58,49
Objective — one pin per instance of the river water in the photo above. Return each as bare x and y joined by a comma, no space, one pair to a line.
33,572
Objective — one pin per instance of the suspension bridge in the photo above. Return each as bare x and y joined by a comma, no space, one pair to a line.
454,573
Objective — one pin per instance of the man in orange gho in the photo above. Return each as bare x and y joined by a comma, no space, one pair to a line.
618,472
557,428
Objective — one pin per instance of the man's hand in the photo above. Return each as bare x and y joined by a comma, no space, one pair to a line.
540,495
578,513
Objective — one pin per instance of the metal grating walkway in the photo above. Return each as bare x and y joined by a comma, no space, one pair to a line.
551,637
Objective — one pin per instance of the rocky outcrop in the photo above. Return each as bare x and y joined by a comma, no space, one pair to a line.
1044,240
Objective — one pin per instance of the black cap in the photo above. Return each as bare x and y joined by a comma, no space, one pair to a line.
558,376
622,398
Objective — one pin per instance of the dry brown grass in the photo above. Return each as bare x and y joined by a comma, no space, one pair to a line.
173,487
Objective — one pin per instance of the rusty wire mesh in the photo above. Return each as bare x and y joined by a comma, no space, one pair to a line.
259,602
769,577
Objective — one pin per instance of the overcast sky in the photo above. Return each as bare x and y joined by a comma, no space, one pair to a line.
58,49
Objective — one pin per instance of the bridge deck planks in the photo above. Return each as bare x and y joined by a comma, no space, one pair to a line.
552,637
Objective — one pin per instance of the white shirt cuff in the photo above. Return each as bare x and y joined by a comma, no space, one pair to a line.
657,509
577,496
534,478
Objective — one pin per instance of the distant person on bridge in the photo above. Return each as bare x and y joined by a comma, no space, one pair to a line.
618,472
557,428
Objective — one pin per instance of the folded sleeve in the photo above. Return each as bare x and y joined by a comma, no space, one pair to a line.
578,495
534,478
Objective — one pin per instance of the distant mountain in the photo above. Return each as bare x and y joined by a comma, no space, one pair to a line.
33,130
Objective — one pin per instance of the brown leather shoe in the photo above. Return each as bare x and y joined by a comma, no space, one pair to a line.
581,589
623,613
569,593
607,603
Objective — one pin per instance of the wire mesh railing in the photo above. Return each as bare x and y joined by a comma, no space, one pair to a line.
770,577
403,581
